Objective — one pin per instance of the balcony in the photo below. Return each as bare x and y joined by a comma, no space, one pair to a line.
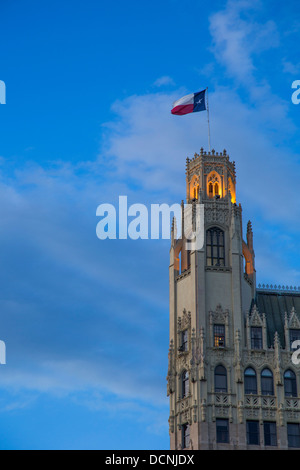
292,404
260,401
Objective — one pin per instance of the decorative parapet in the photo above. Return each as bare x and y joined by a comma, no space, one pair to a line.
260,401
220,269
292,403
221,404
278,289
213,157
184,274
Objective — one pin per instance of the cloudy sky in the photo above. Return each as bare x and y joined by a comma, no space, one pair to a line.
89,89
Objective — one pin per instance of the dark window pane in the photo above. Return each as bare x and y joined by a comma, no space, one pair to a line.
256,337
250,381
185,383
220,379
293,431
294,336
222,430
290,385
270,434
215,247
185,437
252,432
184,341
267,387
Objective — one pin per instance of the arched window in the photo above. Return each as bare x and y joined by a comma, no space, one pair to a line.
185,436
184,383
214,184
290,384
215,247
250,381
267,387
220,379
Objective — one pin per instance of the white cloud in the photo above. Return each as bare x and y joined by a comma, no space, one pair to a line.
290,68
236,40
163,81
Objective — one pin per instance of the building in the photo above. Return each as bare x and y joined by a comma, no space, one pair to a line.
232,380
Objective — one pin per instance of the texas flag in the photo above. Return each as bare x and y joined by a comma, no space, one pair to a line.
190,104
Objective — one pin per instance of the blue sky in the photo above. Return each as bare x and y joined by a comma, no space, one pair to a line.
89,91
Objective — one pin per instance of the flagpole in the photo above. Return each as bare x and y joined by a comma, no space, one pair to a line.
208,118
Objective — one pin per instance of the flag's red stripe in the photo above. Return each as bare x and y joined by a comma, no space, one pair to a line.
183,109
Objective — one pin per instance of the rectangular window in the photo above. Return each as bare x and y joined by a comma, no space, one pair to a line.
293,431
290,384
270,435
215,253
252,433
219,336
294,336
256,337
184,341
185,436
222,426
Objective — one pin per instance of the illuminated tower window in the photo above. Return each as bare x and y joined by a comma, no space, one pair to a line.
193,187
219,336
214,184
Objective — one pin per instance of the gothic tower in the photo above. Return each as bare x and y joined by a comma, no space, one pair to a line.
223,352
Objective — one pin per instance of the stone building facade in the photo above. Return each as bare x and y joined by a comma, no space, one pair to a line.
232,381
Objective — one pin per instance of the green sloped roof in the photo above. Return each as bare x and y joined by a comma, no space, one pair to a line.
274,305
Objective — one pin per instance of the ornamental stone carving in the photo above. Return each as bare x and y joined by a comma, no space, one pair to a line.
217,215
